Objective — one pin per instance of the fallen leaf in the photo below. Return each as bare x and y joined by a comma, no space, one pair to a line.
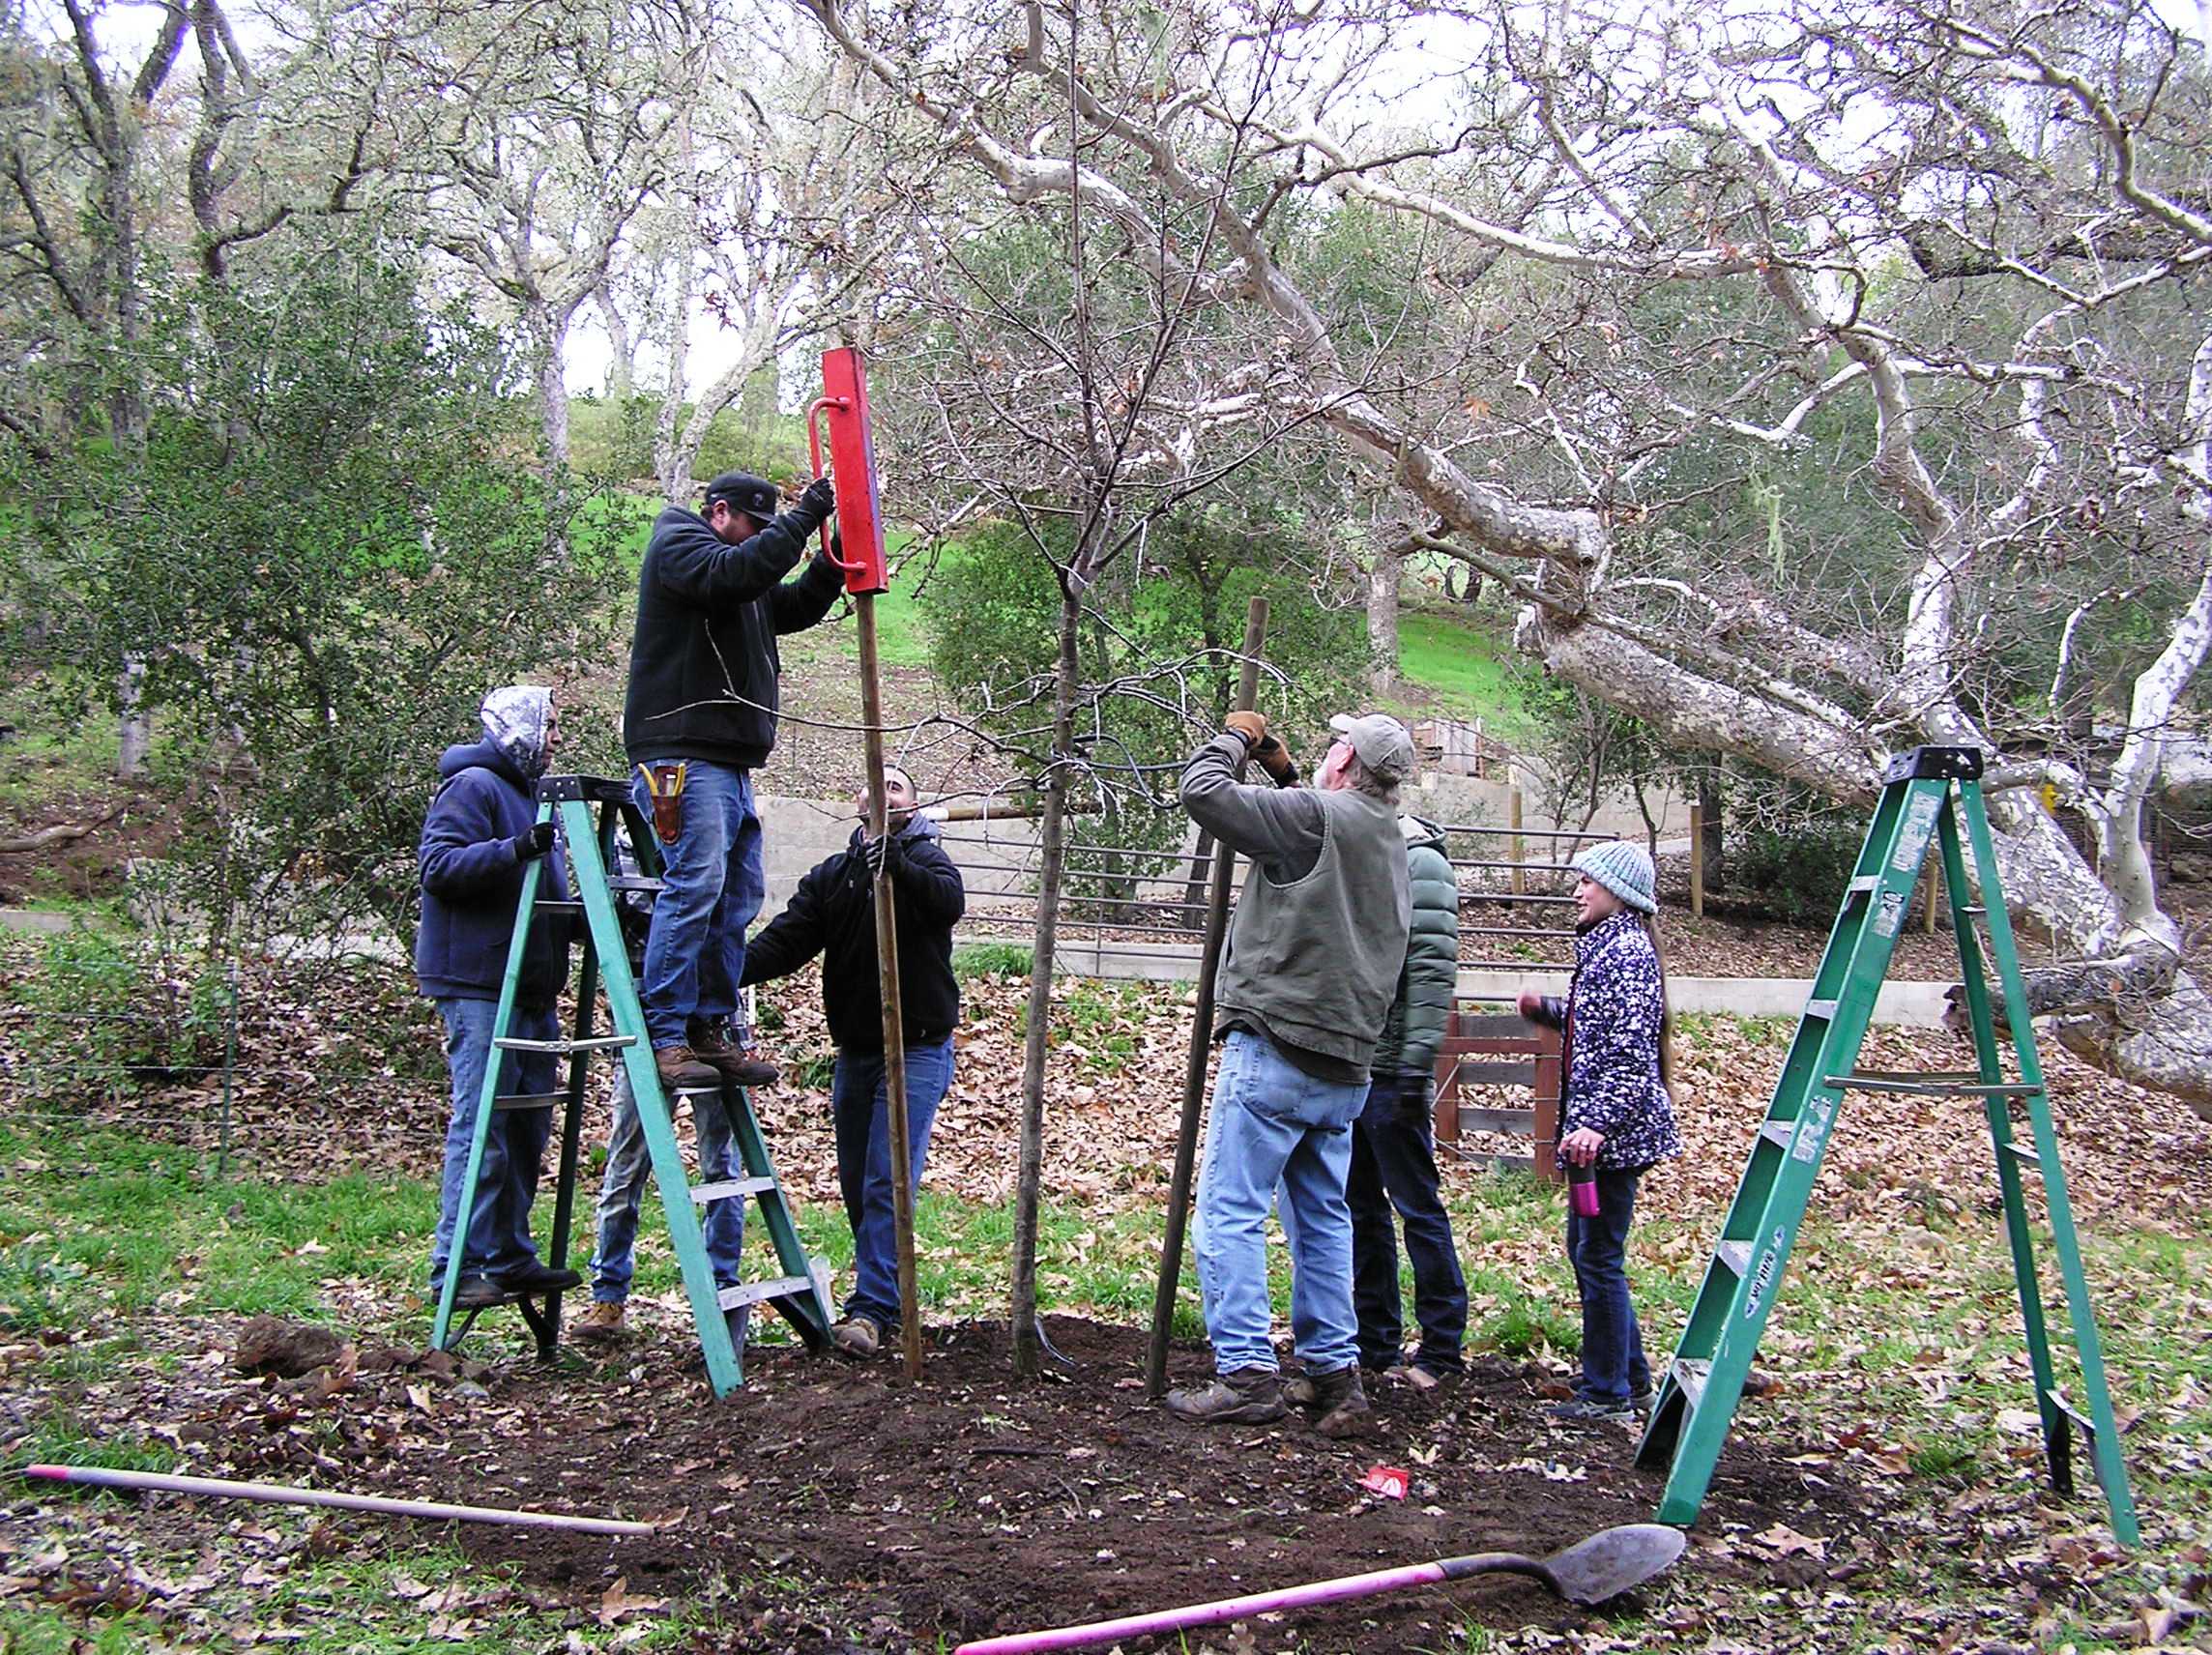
1784,1540
618,1602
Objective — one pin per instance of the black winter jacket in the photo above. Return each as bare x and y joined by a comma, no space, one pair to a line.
703,660
472,880
834,914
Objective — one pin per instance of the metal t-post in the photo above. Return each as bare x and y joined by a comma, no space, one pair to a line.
1200,1042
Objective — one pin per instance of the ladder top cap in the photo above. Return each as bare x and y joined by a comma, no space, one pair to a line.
590,789
1934,764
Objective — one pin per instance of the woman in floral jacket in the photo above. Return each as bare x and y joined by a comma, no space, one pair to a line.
1616,1113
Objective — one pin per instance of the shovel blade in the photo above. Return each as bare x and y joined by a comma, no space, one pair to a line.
1615,1560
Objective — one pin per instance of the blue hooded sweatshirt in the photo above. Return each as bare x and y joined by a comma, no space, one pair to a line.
472,872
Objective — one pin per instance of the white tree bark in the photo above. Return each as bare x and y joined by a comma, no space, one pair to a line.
1783,204
1384,575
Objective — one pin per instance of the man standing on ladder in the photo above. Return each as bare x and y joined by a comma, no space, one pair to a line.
698,721
834,914
481,834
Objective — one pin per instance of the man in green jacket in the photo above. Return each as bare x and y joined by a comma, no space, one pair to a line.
1393,1152
1315,953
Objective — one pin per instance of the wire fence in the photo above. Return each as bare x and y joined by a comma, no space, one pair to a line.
1153,899
343,1065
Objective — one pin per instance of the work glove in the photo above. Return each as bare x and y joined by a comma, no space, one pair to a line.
1417,1096
1265,750
882,856
1252,726
818,501
535,843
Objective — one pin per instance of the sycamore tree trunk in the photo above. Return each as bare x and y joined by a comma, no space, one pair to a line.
1052,846
1382,577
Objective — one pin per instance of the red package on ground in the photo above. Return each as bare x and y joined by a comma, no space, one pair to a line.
1387,1480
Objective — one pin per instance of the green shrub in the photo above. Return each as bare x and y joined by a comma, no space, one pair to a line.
974,960
1799,874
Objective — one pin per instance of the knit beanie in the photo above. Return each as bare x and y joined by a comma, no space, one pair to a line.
1625,870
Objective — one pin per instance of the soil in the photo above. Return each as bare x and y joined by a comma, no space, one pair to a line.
132,821
974,1504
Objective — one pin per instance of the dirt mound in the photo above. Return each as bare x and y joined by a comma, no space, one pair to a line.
974,1503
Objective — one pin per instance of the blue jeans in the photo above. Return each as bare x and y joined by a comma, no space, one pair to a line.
1613,1343
507,1179
711,891
622,1189
1394,1166
1272,1123
857,1098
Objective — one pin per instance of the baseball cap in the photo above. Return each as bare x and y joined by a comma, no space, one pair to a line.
1381,741
756,497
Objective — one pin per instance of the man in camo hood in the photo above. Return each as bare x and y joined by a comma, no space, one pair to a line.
518,722
481,834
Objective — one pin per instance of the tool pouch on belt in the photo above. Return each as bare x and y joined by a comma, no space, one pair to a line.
664,785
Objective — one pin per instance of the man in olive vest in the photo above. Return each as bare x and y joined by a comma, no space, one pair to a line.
1314,957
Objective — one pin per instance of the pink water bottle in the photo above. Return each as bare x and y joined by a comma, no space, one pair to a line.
1582,1188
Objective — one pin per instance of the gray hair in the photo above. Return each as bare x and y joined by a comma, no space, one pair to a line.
1361,779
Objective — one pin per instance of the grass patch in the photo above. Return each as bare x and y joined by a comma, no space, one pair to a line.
57,1438
1465,668
1907,1333
973,960
107,1225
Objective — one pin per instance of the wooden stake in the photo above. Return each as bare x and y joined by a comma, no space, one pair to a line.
887,986
1513,821
281,1493
1200,1042
1697,861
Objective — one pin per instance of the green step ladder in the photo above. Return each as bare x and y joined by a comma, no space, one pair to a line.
802,1294
1929,794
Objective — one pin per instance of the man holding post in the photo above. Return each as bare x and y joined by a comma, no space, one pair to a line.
1315,953
832,914
698,721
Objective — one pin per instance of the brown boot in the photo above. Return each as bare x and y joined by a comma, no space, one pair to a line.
1334,1402
601,1324
1251,1396
713,1047
857,1337
681,1070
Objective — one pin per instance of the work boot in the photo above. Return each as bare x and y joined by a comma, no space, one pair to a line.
537,1277
1334,1402
1249,1396
714,1048
477,1290
602,1323
681,1070
857,1337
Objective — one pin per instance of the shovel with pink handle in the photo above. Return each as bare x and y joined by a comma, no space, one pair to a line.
1591,1571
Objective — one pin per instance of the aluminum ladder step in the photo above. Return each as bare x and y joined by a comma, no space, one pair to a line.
723,1188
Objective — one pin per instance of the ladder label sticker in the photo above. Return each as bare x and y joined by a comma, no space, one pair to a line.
1762,1278
1914,835
1892,914
1819,1114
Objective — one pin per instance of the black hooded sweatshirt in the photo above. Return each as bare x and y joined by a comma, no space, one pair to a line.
702,661
834,914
